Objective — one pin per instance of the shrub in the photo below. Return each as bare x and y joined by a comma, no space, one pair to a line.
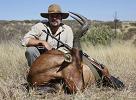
99,34
132,30
111,24
133,24
128,35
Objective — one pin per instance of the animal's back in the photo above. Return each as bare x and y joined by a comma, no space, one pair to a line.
45,67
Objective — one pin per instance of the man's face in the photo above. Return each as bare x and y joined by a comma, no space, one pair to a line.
55,19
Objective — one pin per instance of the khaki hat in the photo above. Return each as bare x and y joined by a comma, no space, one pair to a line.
54,8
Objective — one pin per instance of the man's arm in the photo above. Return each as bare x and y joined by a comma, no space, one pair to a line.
32,37
35,42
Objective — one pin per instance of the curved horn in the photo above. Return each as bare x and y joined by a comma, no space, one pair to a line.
83,22
84,27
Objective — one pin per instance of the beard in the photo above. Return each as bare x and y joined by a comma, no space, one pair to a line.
55,23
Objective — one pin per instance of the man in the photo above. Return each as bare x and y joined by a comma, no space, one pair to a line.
54,26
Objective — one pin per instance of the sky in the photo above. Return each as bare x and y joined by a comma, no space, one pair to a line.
92,9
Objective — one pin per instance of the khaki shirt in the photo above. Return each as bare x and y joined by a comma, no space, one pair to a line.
64,34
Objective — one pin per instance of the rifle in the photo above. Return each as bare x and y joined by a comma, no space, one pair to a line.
92,60
113,82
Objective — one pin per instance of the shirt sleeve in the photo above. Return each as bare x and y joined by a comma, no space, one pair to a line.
70,36
35,33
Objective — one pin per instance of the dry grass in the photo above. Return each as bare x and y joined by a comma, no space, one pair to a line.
120,59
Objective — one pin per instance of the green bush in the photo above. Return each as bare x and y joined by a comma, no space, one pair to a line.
99,34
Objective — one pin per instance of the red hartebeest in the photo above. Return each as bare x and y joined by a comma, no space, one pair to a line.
52,65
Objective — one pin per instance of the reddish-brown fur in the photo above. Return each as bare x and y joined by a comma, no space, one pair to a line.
52,65
46,67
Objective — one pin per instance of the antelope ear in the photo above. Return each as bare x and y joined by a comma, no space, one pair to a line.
67,57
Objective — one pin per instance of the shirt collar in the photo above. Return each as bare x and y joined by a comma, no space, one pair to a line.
59,31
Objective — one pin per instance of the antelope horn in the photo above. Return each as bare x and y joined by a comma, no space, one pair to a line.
83,22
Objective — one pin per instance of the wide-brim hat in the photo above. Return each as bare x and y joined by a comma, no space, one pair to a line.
55,9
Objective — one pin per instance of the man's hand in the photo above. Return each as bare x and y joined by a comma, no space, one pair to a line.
46,45
35,42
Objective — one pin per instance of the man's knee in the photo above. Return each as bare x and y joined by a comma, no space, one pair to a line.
31,54
30,51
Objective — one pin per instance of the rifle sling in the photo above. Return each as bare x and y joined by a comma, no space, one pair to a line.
93,69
